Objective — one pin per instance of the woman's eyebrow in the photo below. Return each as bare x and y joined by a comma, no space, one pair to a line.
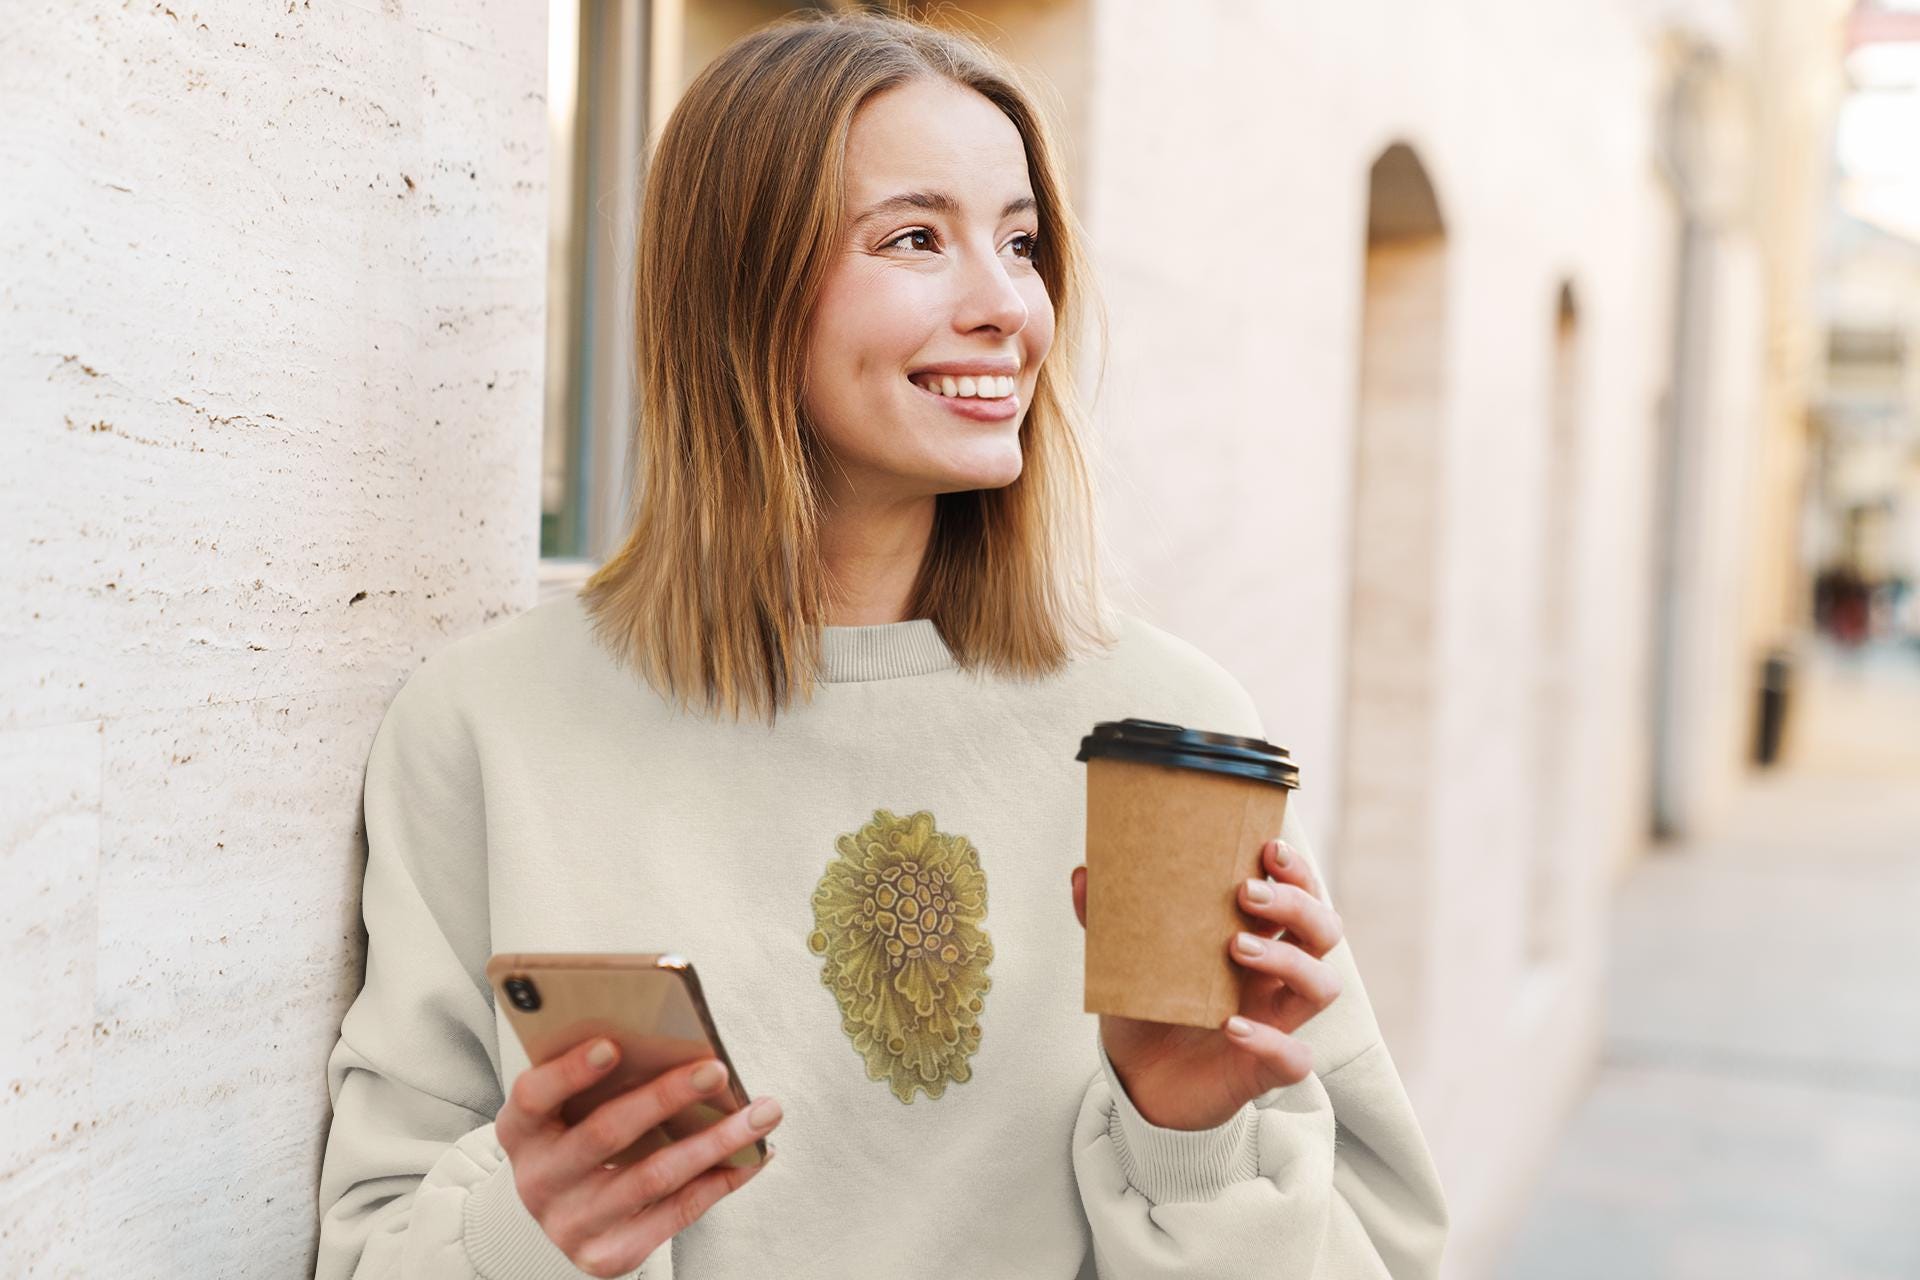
935,202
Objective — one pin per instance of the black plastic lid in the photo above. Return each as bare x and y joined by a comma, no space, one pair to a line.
1157,742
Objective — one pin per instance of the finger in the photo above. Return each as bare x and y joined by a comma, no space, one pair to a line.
1313,978
617,1123
1280,1059
666,1171
1308,921
1281,1007
620,1250
1284,862
539,1092
1080,895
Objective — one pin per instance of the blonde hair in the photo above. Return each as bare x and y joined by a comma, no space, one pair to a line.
719,589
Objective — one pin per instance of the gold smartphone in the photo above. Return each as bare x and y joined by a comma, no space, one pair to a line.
649,1004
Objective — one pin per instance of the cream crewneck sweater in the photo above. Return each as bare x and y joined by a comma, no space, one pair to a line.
525,793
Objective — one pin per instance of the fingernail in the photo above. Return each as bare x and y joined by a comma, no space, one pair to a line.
1239,1027
708,1075
1248,945
1279,853
764,1113
1259,891
601,1054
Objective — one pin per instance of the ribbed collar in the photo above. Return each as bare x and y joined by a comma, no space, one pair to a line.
882,651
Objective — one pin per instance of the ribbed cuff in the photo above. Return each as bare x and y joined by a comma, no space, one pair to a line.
506,1242
1168,1166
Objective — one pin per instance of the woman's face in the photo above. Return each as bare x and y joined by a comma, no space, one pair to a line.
945,281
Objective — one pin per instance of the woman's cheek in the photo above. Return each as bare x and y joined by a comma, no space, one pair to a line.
1039,333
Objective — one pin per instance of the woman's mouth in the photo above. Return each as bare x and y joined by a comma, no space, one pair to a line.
978,407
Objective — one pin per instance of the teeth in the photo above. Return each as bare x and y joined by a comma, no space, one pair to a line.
985,388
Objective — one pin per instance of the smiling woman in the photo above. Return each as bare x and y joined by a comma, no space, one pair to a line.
857,285
860,465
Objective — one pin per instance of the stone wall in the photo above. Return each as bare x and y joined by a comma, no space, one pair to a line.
271,337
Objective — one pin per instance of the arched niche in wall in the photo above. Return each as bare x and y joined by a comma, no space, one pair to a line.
1384,834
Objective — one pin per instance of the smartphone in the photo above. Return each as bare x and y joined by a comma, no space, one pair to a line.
649,1004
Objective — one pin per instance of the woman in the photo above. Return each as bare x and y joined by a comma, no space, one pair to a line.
866,520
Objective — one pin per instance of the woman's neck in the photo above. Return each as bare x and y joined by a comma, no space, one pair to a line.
873,554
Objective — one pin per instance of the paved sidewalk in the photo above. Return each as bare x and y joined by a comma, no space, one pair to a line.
1756,1115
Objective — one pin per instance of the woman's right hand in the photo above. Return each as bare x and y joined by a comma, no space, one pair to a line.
607,1221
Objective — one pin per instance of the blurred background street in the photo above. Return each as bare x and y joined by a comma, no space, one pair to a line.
1755,1109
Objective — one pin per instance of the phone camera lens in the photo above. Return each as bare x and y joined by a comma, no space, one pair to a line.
521,992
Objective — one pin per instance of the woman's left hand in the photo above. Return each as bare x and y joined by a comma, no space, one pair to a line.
1181,1077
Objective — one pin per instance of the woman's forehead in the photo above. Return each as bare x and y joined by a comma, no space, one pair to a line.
933,133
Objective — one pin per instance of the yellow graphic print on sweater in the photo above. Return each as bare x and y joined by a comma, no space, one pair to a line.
898,916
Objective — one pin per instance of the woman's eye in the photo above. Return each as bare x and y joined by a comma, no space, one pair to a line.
1032,242
917,231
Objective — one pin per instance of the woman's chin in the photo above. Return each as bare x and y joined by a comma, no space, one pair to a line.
991,472
982,465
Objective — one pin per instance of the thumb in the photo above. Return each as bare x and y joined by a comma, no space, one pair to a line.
1080,895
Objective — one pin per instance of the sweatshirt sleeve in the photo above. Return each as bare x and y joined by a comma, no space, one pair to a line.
1326,1179
413,1184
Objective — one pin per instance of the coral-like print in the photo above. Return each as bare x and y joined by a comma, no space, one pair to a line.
898,916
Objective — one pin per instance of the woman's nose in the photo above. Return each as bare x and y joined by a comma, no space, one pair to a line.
990,298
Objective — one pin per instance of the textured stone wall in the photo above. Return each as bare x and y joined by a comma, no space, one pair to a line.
271,344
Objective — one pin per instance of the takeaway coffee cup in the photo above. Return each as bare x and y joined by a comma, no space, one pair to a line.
1175,821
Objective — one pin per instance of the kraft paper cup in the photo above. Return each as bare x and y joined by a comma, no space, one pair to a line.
1175,821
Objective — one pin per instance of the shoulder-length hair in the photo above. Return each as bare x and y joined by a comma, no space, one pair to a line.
718,592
